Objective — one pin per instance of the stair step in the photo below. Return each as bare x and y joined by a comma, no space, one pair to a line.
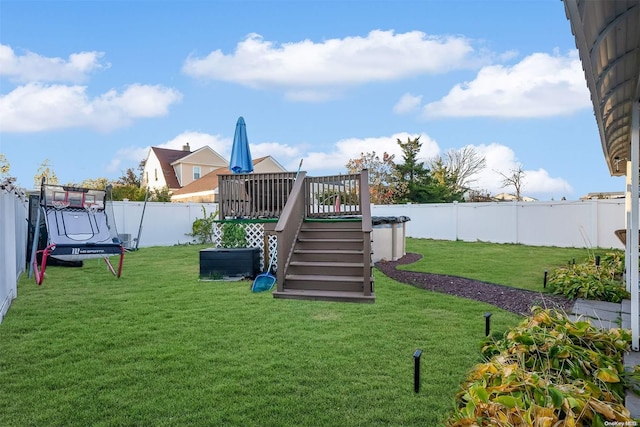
322,282
323,278
326,264
328,251
336,230
322,295
323,240
327,255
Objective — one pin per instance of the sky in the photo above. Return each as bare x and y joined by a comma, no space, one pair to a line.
90,86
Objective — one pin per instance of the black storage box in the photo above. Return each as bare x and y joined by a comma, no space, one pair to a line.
219,263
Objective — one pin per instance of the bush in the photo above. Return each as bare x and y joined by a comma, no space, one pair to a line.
202,228
233,235
547,371
590,281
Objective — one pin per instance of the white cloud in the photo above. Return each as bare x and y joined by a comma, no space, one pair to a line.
125,158
351,148
304,66
499,158
502,159
276,150
114,165
131,156
541,85
36,107
197,140
32,67
407,104
138,101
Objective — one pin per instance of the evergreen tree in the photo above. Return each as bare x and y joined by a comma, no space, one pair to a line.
415,179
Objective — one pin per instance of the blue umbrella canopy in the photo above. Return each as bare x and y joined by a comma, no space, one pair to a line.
240,154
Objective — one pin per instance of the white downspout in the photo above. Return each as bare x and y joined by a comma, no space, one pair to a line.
633,237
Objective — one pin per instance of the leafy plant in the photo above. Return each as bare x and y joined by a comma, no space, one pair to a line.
590,281
233,235
547,371
202,228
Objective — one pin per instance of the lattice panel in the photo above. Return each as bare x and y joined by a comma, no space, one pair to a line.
255,238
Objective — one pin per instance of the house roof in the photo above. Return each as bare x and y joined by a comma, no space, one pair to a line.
209,181
192,157
607,36
166,157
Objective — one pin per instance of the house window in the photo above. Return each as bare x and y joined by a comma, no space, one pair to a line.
196,172
156,173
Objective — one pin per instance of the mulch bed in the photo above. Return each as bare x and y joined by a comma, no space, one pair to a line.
517,301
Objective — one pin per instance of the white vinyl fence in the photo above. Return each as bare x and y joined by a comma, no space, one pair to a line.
164,224
589,223
13,247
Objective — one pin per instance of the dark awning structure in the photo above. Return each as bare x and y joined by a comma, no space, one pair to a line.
607,34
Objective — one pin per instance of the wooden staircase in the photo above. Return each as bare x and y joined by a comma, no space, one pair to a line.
328,262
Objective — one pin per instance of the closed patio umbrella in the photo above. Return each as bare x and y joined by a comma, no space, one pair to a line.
241,161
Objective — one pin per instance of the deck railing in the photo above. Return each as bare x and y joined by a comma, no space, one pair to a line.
367,229
288,228
264,195
333,196
292,198
254,195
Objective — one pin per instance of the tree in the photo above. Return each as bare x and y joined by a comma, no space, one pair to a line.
161,195
417,182
45,170
515,179
95,184
129,192
129,177
128,186
457,168
4,165
411,174
382,185
476,195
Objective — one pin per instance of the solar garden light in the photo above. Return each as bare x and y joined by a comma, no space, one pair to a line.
487,323
544,283
597,261
416,370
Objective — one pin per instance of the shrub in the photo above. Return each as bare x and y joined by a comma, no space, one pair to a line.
547,371
202,228
590,281
233,235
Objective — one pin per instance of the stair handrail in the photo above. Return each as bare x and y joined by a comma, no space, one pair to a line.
288,227
367,228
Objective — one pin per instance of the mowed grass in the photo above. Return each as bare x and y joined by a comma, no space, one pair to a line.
157,347
518,266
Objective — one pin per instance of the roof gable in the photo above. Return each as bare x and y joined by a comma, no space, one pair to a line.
166,157
204,155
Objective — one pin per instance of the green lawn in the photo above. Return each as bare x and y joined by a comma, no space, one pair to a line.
157,347
513,265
